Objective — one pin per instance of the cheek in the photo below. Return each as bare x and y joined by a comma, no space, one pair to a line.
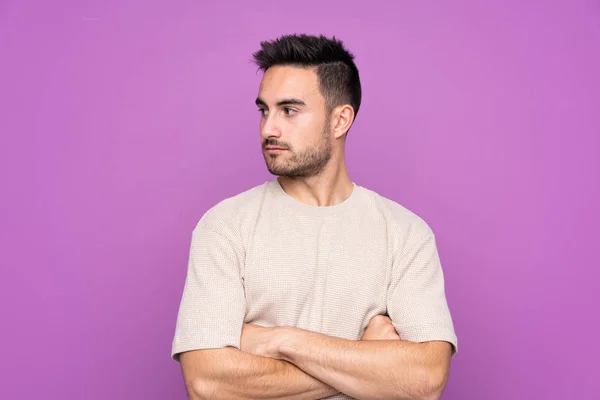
304,127
304,121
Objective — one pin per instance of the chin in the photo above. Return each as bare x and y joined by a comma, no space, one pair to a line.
277,171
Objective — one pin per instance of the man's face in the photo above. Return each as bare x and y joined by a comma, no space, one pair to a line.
294,123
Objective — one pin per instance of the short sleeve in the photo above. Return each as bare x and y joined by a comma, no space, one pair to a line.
212,308
416,298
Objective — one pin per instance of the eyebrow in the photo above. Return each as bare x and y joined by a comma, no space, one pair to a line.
283,102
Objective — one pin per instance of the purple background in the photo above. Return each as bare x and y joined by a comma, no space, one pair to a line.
122,122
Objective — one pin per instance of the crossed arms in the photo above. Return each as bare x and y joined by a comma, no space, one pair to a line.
222,358
291,363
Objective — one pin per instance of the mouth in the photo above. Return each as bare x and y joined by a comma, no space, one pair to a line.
272,149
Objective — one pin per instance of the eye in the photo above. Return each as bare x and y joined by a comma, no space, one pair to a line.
263,112
289,111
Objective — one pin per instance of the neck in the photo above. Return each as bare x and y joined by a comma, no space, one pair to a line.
330,187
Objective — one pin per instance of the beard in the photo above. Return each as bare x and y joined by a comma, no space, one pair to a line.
305,164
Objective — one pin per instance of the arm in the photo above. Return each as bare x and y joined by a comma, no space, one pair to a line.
233,374
229,373
388,369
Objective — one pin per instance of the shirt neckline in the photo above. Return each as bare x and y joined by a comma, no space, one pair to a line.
311,209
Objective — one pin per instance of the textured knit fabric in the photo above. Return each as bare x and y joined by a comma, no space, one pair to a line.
265,258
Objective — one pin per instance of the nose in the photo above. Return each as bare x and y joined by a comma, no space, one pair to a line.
269,128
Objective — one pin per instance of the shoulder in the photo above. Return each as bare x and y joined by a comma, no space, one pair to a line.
231,212
398,217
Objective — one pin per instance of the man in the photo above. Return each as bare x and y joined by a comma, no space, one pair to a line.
311,286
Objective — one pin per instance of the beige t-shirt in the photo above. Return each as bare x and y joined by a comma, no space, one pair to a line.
265,258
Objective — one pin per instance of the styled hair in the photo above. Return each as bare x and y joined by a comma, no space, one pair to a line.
338,76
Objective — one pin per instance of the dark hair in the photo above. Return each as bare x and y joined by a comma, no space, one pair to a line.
338,76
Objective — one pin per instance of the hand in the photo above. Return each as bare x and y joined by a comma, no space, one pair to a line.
259,340
380,328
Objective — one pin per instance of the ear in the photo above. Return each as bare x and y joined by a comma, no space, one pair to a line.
342,119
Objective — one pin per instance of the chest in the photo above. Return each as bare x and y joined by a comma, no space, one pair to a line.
316,275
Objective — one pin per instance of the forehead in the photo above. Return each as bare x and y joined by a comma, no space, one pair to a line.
283,82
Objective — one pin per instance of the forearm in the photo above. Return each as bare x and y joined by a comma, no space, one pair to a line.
232,374
390,369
